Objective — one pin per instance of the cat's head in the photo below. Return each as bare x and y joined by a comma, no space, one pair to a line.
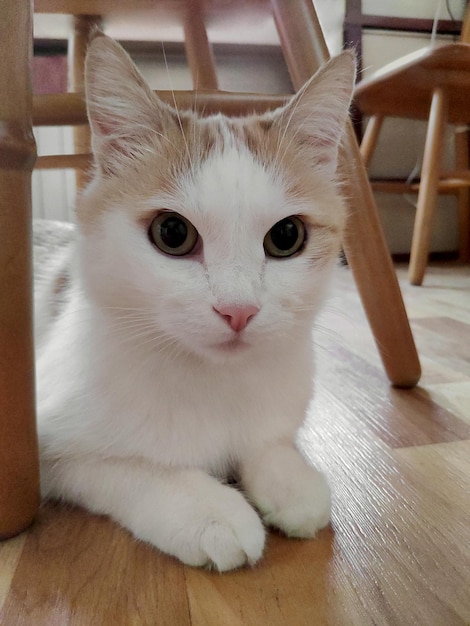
214,233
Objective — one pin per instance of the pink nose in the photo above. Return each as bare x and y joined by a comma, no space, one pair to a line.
237,317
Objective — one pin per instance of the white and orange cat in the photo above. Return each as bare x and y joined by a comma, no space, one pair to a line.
174,325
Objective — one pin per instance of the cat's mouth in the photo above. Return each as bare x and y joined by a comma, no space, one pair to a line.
235,344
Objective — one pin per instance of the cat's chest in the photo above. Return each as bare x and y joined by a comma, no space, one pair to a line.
195,417
176,423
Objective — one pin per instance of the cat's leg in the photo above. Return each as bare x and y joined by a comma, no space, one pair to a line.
290,494
184,512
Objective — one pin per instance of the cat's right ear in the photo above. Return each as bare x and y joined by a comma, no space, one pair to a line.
125,115
315,118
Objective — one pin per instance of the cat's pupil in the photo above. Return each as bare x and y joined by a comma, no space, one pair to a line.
173,232
284,234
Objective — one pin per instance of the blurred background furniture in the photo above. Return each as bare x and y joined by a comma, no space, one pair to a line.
432,84
304,51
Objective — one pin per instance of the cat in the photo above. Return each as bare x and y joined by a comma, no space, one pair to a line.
174,322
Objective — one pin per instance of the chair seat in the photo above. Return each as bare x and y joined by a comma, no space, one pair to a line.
404,88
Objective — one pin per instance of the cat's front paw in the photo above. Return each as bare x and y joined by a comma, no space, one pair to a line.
225,546
290,494
225,534
301,509
213,527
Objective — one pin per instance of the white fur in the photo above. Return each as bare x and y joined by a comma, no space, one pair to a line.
144,408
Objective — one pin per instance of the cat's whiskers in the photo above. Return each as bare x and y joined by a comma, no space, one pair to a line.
130,314
134,317
134,325
337,311
145,339
130,324
123,308
132,330
173,349
328,334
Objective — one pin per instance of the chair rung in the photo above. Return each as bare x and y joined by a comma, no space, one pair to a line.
89,7
446,185
450,185
64,161
393,186
458,177
68,109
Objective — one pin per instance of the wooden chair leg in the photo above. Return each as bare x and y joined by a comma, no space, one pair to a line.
305,49
462,163
19,468
369,141
198,49
428,188
82,27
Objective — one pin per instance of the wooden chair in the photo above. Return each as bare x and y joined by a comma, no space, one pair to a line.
432,84
304,50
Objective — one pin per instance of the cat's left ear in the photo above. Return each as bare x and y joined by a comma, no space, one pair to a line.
316,116
125,115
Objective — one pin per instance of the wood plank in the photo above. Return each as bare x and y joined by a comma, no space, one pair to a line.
454,396
10,552
447,467
450,339
77,568
399,417
390,527
269,594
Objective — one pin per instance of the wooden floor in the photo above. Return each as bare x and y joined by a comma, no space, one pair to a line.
398,550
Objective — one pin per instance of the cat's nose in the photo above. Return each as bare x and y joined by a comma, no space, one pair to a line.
237,317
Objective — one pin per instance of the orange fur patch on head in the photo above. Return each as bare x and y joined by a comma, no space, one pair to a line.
142,146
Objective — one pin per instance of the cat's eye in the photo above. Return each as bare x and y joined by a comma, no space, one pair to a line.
173,234
285,238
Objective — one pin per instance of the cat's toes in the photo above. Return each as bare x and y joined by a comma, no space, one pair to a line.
221,534
228,547
290,494
300,509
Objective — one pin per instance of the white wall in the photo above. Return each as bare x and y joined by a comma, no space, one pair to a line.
53,191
